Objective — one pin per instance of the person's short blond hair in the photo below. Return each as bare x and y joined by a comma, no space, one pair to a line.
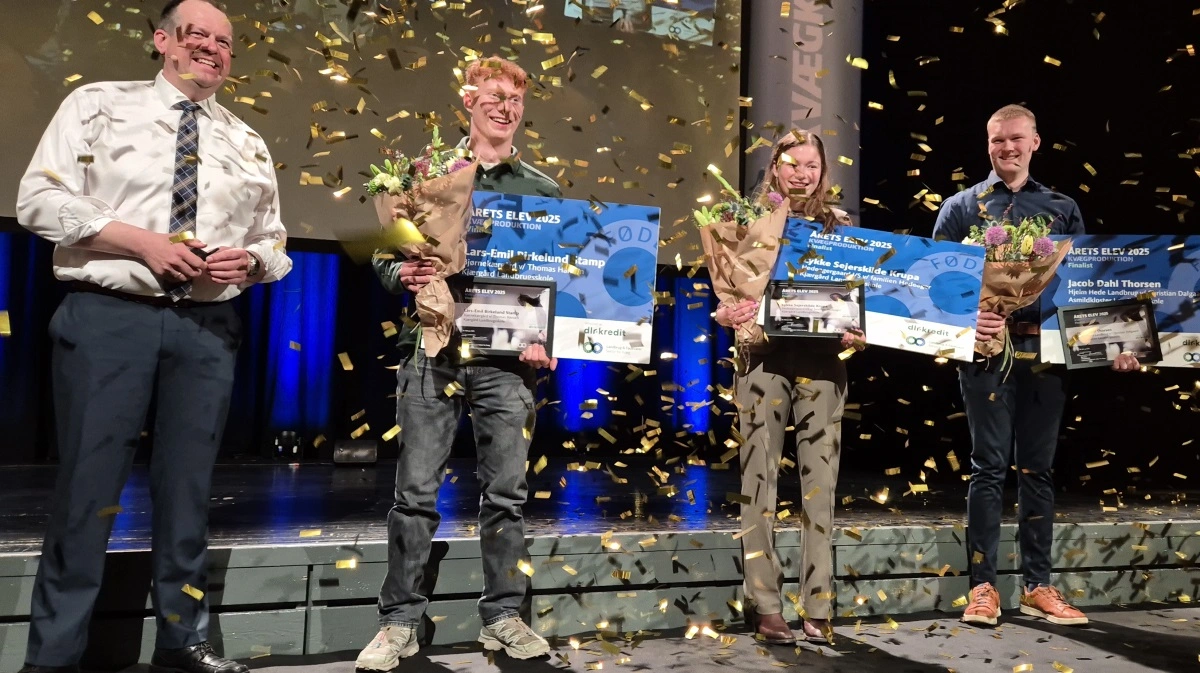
1014,111
491,67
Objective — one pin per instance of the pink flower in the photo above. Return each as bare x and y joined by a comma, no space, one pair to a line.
775,199
995,235
459,165
421,166
1043,247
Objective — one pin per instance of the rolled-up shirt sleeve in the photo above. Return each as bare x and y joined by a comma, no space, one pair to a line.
52,200
266,236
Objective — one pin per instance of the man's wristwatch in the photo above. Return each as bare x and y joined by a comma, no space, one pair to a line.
254,267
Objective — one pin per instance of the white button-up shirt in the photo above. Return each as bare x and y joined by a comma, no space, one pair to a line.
109,154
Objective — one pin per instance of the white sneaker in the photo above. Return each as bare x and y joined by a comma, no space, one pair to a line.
515,638
390,645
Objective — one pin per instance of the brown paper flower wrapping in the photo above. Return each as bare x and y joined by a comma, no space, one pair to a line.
745,273
1009,286
440,210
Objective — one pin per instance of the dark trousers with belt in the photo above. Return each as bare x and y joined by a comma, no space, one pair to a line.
110,355
1012,411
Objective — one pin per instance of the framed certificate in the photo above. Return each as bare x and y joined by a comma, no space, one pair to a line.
1093,335
812,309
501,316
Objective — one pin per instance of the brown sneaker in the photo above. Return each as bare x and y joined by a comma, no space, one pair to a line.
984,607
1049,604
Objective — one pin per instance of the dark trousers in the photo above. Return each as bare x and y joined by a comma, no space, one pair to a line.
109,357
500,395
1019,413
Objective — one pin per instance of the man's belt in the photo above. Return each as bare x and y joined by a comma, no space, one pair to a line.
157,302
1025,329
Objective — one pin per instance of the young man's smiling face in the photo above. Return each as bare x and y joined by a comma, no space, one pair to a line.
496,106
1011,144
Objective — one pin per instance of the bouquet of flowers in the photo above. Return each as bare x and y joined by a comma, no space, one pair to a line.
1019,263
424,204
738,270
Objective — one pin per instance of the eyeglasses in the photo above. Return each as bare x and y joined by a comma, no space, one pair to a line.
498,99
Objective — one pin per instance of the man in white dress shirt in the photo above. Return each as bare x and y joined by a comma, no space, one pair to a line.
162,206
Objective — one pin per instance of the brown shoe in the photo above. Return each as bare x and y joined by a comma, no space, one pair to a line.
818,631
984,607
1049,604
775,630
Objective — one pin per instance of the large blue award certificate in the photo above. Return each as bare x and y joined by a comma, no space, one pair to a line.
603,264
1105,268
921,295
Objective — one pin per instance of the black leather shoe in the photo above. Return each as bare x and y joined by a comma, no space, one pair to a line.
198,658
31,668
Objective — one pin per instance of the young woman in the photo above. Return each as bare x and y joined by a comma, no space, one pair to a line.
804,379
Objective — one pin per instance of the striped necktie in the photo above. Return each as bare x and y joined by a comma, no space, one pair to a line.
185,188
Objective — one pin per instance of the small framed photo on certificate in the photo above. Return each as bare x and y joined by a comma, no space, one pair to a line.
1095,334
812,309
502,316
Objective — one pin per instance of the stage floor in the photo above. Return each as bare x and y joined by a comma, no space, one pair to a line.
271,504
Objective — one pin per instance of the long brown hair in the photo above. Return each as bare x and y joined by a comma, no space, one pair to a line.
818,207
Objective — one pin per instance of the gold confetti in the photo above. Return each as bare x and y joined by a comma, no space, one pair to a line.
294,345
525,567
72,78
387,436
845,160
542,495
110,511
1062,668
753,555
96,18
1022,668
173,618
569,570
959,602
260,651
345,360
193,592
1052,61
311,532
360,431
347,564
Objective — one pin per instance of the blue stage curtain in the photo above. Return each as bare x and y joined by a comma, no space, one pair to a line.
301,318
694,346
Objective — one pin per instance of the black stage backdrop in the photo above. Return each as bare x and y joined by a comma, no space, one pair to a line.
1118,135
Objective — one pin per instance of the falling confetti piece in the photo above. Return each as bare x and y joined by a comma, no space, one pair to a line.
193,592
96,18
345,360
311,532
525,567
110,511
347,564
387,436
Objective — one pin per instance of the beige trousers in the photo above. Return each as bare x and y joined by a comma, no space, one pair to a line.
811,389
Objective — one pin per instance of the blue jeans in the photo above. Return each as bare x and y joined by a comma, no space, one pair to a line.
1019,414
500,394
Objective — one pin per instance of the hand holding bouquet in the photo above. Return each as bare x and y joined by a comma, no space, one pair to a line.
424,204
1020,261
